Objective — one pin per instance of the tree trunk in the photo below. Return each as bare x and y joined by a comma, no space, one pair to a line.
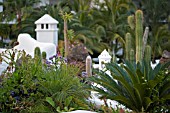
65,39
19,18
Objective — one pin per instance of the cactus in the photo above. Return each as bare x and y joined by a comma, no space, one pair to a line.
128,45
37,55
147,57
139,35
132,56
145,37
88,66
131,21
142,52
44,55
37,52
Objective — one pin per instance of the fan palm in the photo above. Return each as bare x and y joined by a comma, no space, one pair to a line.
137,86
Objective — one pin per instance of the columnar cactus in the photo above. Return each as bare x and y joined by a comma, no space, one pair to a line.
136,23
139,35
128,45
147,56
145,38
88,66
131,22
132,56
37,54
44,55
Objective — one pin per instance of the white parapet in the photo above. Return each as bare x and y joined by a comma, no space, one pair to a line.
28,44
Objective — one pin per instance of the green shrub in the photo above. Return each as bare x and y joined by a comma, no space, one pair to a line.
40,87
61,90
136,86
19,86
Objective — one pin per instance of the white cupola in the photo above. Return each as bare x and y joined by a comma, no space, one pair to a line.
46,30
104,57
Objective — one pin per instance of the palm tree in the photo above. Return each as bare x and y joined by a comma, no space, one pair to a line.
114,21
92,27
17,9
66,17
83,24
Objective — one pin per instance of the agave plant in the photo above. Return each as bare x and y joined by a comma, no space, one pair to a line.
136,86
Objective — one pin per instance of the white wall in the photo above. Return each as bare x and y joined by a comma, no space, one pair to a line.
1,7
50,36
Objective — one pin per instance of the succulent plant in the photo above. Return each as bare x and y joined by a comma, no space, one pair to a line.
136,23
89,66
37,52
147,56
132,56
128,45
44,55
139,35
131,22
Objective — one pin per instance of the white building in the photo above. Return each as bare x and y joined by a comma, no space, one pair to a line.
46,30
104,57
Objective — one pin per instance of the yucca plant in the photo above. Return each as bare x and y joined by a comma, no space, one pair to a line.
136,86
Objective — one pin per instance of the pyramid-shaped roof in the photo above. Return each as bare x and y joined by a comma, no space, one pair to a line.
104,54
46,19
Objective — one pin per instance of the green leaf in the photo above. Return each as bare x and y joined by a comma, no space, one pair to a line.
165,88
147,101
124,101
166,97
58,109
68,101
50,101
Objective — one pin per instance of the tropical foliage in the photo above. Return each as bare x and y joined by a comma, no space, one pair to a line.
93,28
17,10
35,85
4,33
136,86
96,31
29,85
